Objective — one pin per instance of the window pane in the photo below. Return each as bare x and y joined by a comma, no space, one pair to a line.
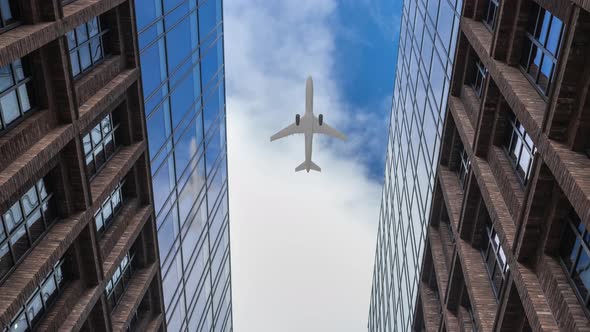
81,33
75,63
30,200
20,324
96,135
96,48
85,61
554,36
19,242
93,27
87,144
5,259
18,70
35,307
13,217
71,39
99,222
6,80
582,274
35,225
23,96
6,11
48,290
9,106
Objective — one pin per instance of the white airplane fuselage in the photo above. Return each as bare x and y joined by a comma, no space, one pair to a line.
308,121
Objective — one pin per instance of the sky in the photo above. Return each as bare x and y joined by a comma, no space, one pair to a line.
303,244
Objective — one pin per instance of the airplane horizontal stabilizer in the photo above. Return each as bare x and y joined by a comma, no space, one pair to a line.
304,166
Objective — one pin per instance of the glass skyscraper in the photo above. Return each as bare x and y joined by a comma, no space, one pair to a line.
428,37
183,78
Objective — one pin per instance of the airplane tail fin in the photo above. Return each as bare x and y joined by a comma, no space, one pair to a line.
305,165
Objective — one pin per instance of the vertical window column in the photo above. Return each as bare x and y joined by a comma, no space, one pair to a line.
479,77
495,260
464,167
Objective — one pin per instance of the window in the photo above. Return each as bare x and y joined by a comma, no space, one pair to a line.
119,281
109,208
464,166
575,256
495,260
8,11
540,49
133,322
99,144
490,17
24,223
85,43
471,316
479,77
14,95
41,301
520,149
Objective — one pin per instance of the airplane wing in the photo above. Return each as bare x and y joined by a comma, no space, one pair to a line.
327,130
289,130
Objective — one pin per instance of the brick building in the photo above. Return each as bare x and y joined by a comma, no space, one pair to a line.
77,227
508,244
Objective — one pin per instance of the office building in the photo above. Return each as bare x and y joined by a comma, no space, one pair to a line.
508,235
78,246
183,78
425,61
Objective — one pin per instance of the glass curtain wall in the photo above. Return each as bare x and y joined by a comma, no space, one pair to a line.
183,78
428,36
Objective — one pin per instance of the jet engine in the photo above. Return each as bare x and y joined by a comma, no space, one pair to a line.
297,119
321,119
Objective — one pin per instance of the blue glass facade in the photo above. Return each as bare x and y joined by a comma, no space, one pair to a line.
428,37
183,78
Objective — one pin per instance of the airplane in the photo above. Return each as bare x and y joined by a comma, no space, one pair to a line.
308,125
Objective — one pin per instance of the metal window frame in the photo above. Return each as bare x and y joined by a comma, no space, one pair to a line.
522,174
536,44
79,45
481,73
493,6
116,209
464,167
100,144
46,305
128,268
15,88
571,270
492,249
24,223
15,11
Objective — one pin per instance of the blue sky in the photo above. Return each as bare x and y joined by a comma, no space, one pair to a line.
303,244
367,35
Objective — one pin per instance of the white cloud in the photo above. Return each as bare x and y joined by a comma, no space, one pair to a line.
302,244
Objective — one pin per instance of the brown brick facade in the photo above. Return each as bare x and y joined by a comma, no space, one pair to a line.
528,215
47,143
